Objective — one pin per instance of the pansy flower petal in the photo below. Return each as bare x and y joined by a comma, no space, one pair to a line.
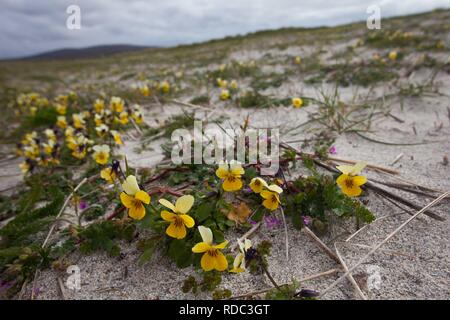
127,200
168,216
206,234
221,245
345,169
230,185
130,186
266,194
187,220
236,168
137,211
275,188
220,262
207,262
142,196
359,180
222,171
176,231
184,204
167,204
201,247
357,168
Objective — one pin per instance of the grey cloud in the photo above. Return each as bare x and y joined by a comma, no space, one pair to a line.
31,26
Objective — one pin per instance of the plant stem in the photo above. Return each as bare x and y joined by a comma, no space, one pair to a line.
268,274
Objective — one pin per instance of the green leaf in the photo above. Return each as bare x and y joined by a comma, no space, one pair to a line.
146,256
309,164
148,247
180,253
259,214
250,173
204,211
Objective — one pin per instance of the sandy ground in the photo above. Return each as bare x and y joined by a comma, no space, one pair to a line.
413,265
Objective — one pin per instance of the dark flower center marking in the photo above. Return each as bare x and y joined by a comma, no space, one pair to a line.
178,222
349,183
213,252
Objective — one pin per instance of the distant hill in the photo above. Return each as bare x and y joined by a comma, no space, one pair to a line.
88,52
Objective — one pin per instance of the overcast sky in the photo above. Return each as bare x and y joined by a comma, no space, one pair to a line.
32,26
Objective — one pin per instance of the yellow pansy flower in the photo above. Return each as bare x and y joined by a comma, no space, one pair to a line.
43,162
137,114
78,121
101,153
165,86
31,151
234,85
123,117
116,136
69,131
33,111
116,104
98,119
61,109
76,142
297,102
99,105
101,130
145,90
43,102
33,96
239,260
298,60
86,114
271,197
24,167
222,83
62,99
349,181
108,174
61,122
224,94
50,134
79,151
393,55
29,138
48,147
178,218
133,198
212,257
257,185
231,175
71,142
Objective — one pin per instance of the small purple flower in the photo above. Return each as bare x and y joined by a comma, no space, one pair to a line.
247,190
332,150
252,222
271,222
307,220
83,204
